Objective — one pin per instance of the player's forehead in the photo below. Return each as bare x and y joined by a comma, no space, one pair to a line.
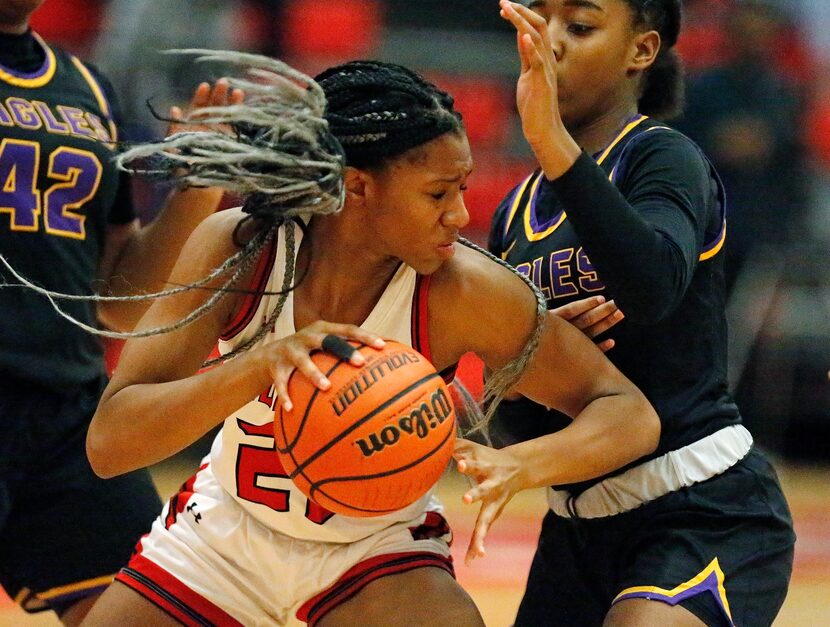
600,6
446,157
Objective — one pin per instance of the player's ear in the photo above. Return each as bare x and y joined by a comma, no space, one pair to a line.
645,51
356,181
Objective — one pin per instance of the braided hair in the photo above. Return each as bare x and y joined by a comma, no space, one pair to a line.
293,138
662,91
378,111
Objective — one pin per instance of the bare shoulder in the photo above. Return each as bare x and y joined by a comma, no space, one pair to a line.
213,239
477,304
475,279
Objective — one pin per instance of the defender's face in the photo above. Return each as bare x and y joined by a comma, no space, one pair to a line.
415,204
593,41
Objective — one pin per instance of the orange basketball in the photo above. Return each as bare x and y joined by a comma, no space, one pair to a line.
376,440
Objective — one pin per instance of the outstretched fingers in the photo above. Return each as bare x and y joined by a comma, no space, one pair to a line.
532,36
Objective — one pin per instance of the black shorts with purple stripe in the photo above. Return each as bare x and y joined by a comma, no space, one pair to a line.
722,549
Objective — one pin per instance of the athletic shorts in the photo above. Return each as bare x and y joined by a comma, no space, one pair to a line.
64,532
723,549
208,562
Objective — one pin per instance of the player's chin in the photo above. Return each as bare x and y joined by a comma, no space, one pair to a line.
425,267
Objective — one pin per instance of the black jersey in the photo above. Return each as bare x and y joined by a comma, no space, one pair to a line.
59,189
651,241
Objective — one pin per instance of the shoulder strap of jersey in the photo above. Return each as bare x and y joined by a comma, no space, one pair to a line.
256,288
420,324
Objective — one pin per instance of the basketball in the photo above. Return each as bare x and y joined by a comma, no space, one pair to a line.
376,440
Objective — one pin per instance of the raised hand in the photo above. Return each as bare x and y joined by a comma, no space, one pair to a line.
205,95
537,94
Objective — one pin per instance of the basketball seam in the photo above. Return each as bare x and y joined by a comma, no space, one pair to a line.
316,487
300,467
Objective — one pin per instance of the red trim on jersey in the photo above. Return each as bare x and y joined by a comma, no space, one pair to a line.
258,283
420,324
364,573
420,317
164,590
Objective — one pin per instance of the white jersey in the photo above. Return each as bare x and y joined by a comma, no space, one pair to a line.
243,455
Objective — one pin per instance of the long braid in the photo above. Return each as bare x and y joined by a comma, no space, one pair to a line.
294,136
282,158
287,282
505,378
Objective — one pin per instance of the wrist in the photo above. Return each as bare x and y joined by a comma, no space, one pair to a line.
556,157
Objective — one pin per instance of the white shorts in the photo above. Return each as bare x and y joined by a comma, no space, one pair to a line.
208,562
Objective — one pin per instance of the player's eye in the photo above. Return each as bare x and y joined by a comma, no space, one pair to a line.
438,195
580,29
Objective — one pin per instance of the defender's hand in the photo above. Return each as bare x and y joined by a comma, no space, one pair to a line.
592,316
206,95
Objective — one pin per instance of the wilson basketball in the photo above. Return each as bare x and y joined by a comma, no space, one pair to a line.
376,440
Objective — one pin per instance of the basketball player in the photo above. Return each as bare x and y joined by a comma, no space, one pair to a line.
698,531
66,220
240,545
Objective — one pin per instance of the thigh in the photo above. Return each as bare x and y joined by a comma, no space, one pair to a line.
637,612
415,598
722,549
125,607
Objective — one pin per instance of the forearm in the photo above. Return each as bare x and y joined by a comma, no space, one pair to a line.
146,260
143,424
644,270
608,434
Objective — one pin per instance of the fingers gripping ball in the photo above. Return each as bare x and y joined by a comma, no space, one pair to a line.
376,440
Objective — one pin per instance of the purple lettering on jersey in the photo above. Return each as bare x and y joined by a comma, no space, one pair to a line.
23,113
538,278
77,121
5,118
81,173
560,271
19,162
52,124
588,280
98,126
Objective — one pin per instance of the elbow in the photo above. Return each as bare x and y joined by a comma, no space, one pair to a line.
648,311
648,428
113,316
98,452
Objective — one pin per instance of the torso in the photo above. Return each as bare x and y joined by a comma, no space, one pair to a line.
678,363
58,186
236,456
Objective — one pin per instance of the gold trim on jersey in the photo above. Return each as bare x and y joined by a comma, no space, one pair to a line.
516,202
100,97
714,248
530,233
47,70
76,587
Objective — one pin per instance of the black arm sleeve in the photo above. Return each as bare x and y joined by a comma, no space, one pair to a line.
644,238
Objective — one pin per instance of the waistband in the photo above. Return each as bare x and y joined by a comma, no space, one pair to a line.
699,461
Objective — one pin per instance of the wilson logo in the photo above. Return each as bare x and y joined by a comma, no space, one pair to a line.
418,422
